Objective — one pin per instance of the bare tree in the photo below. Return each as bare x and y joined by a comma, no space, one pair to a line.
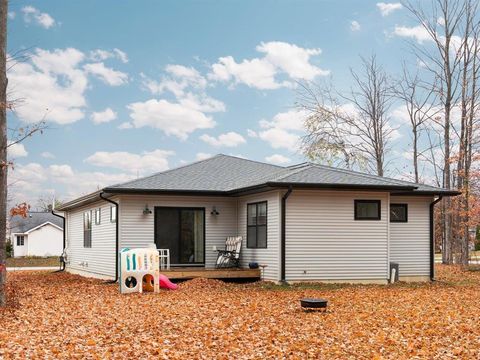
419,102
47,202
355,127
442,21
3,146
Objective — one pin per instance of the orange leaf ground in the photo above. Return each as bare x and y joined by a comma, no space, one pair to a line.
58,315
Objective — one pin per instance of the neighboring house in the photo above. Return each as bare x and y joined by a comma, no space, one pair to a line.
306,222
39,234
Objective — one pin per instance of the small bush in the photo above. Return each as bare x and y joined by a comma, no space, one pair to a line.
9,248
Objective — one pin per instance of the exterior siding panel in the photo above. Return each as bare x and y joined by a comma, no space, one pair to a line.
100,258
324,242
410,241
271,255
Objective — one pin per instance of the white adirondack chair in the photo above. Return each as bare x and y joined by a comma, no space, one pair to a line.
230,257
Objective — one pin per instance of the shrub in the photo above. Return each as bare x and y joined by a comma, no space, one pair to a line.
9,248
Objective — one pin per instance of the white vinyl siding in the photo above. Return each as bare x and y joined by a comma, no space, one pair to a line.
100,257
410,241
271,255
137,229
324,242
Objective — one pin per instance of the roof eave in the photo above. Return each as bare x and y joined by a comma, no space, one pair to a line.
429,193
334,186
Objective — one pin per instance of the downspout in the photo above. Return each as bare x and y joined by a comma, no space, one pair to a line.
62,258
116,234
432,239
282,234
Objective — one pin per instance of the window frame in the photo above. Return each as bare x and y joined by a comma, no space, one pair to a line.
87,240
98,219
113,214
404,205
367,201
256,226
18,237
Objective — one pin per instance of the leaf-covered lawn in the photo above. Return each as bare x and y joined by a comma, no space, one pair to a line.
58,315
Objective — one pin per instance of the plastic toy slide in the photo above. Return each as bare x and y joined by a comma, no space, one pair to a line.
165,283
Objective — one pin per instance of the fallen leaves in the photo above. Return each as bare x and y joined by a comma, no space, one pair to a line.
59,315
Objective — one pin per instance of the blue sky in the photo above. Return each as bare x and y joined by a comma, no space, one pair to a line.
133,87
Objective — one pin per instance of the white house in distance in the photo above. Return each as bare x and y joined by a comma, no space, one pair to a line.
39,234
306,222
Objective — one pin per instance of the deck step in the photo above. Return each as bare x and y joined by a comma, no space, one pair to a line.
191,273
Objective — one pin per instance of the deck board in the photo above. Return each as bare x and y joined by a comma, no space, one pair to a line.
190,273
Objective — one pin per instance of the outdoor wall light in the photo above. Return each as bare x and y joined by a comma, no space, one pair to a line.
146,211
214,211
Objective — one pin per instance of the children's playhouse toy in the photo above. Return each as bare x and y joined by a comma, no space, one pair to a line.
139,270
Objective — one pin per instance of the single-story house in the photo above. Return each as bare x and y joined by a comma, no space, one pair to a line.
306,222
39,234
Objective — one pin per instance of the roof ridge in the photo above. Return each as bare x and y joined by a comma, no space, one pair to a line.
292,172
254,161
387,179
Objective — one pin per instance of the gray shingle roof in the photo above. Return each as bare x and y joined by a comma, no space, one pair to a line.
228,174
219,173
19,224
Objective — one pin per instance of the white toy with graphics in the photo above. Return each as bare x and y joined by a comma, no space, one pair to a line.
139,270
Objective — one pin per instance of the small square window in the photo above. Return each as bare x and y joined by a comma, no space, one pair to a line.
98,214
367,210
398,213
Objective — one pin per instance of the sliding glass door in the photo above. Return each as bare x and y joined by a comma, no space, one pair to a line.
182,230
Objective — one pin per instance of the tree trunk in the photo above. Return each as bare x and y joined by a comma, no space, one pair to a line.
3,146
415,152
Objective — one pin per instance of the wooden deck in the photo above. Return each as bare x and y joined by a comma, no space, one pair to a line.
200,272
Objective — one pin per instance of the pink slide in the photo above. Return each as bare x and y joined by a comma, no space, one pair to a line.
165,283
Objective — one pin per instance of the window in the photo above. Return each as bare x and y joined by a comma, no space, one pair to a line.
398,213
87,229
367,209
257,225
20,240
98,213
113,214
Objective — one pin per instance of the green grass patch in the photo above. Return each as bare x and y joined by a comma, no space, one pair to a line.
33,261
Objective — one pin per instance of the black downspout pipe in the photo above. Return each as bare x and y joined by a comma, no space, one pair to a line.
116,234
432,239
283,236
62,258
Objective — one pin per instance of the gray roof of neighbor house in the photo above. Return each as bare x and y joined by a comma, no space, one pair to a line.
19,224
230,175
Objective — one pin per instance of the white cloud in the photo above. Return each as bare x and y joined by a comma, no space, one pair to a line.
16,150
252,133
202,156
107,75
387,8
419,33
125,125
47,155
29,181
31,14
284,130
355,26
172,118
277,159
144,163
50,87
230,139
280,58
11,15
177,80
184,115
101,55
104,116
